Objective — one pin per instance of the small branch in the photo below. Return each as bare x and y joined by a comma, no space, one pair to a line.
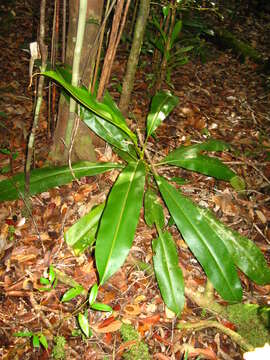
238,339
106,69
31,142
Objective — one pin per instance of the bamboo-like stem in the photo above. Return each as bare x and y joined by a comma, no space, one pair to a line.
75,71
31,142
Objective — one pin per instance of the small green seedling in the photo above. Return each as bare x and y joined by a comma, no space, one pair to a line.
49,280
75,291
37,338
83,318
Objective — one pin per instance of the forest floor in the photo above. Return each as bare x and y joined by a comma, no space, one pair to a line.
221,99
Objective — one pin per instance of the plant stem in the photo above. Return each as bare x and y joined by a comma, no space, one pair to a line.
31,142
238,339
106,69
75,70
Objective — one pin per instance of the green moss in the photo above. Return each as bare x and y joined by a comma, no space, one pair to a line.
252,322
138,351
58,351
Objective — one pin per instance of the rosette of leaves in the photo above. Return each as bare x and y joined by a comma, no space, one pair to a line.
112,225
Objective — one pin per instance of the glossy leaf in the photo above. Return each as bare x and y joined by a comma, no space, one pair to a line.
93,294
168,273
72,293
153,210
246,255
46,178
84,324
101,307
162,104
35,341
190,157
82,234
176,31
107,131
43,341
89,101
203,241
119,220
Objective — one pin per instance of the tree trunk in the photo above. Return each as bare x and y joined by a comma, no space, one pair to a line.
134,55
85,140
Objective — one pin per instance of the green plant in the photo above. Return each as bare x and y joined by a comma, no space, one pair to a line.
139,350
175,57
37,338
49,280
91,300
58,351
218,249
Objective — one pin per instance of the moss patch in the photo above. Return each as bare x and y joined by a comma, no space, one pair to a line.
138,351
252,322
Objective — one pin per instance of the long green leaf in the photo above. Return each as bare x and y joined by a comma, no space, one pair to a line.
82,234
189,157
107,131
203,241
162,104
176,30
89,101
119,220
153,210
246,255
46,178
168,273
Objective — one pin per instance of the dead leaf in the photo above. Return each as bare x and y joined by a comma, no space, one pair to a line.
114,326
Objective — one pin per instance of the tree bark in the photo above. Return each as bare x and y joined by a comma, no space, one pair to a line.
133,59
85,140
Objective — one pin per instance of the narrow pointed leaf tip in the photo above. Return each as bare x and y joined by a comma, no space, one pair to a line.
203,241
119,220
46,178
245,254
162,104
190,157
